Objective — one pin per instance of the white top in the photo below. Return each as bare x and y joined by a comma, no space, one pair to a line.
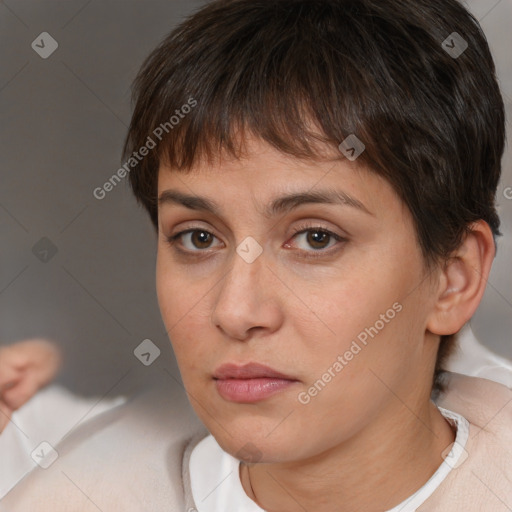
216,485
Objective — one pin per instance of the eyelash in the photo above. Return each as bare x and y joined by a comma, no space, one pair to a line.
314,254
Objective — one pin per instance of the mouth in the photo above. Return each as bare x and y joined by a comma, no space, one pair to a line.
250,383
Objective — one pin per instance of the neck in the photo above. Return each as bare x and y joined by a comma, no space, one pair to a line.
356,474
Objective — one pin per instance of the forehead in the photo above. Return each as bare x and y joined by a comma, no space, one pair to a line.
273,181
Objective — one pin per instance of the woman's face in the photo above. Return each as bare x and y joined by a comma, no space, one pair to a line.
333,295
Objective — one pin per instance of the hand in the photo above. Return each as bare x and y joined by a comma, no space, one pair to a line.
25,367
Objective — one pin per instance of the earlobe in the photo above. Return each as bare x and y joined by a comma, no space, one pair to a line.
463,280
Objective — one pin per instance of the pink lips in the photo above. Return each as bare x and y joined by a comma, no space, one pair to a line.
249,383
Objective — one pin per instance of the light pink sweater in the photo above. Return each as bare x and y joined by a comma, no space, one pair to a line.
135,458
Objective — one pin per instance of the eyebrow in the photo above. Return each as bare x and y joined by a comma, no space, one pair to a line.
278,206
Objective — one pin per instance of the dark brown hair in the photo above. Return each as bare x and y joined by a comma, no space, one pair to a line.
305,74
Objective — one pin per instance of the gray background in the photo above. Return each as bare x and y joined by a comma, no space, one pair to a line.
63,123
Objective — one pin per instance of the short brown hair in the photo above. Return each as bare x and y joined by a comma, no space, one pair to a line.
432,121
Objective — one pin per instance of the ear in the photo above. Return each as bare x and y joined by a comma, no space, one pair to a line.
462,281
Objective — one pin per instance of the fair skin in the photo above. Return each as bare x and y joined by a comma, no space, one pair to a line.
25,367
372,436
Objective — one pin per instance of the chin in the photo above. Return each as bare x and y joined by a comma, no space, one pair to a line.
252,446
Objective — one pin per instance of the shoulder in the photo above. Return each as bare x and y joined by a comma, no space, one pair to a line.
122,459
482,479
475,359
484,403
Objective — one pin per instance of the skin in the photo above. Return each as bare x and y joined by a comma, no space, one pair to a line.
296,315
25,367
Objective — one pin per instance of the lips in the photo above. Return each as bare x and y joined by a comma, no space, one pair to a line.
248,371
250,383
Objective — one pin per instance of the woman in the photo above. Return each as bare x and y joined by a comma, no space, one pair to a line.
321,175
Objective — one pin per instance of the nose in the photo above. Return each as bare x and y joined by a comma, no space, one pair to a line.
247,300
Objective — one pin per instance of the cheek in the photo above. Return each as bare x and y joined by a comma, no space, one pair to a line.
364,315
185,310
174,300
352,301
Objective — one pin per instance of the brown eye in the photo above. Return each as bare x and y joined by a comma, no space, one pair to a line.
193,240
315,238
318,239
201,239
